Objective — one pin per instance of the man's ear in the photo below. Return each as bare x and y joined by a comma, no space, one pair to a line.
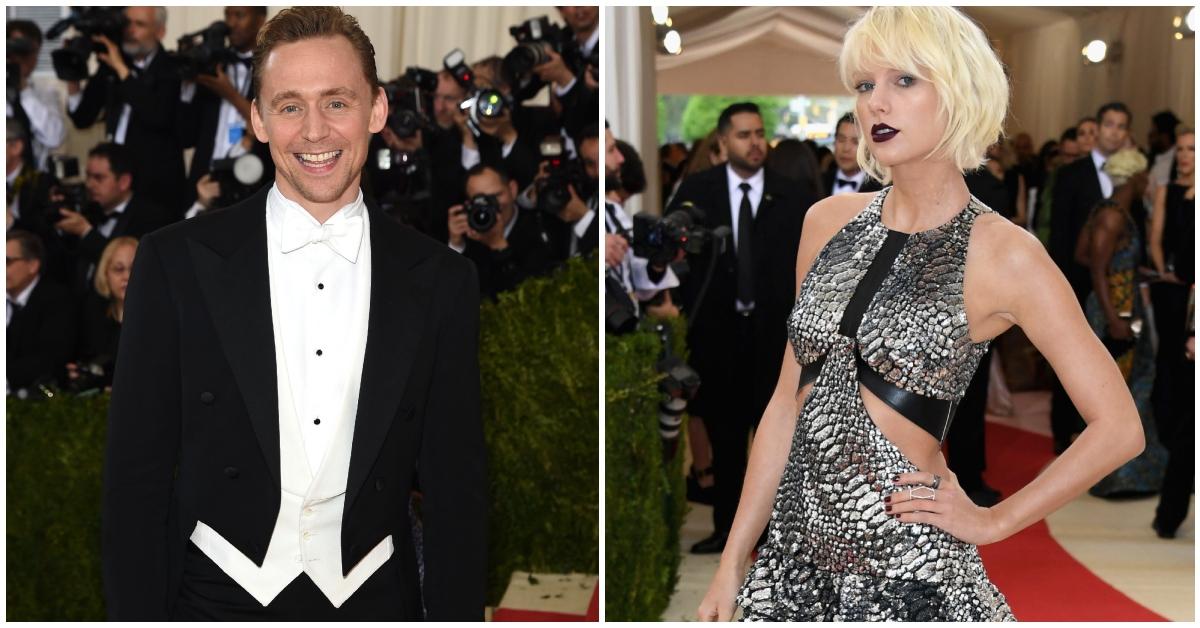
256,122
379,111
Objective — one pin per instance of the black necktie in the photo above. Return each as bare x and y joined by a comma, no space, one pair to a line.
745,257
841,182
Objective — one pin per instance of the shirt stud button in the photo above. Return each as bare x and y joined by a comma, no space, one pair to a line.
319,352
320,286
316,421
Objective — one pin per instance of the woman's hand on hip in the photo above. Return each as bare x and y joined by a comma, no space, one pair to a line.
946,507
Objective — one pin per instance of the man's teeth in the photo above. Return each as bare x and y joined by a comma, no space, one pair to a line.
318,157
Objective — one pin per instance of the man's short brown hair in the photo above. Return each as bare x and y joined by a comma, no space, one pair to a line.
299,23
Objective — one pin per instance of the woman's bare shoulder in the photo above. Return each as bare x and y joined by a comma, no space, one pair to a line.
827,216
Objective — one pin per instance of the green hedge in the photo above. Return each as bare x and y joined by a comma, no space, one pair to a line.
645,500
539,361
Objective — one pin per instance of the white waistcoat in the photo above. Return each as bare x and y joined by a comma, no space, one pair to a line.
307,534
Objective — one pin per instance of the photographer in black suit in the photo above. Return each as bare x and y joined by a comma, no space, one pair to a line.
137,90
40,320
514,248
738,329
216,113
845,176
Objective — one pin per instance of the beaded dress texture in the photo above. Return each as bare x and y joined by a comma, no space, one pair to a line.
832,552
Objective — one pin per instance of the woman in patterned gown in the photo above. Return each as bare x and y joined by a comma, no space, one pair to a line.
866,522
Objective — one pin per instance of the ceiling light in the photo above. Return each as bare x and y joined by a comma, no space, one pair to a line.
660,14
672,42
1095,51
1191,19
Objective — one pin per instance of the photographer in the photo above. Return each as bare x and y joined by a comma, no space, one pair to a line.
506,244
114,210
137,90
572,199
576,88
40,317
215,111
29,207
502,139
39,110
639,276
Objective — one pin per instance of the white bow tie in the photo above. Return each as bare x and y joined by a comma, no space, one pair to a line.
344,237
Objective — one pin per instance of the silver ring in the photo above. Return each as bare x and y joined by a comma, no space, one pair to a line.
937,481
931,495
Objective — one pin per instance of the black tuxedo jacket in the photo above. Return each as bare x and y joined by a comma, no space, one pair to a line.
194,426
776,238
868,185
153,132
1076,192
41,336
32,191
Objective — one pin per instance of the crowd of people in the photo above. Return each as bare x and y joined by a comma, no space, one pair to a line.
465,158
1117,218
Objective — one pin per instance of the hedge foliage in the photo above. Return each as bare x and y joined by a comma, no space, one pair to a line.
645,497
541,404
539,362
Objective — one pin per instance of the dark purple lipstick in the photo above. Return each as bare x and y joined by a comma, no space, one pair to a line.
882,133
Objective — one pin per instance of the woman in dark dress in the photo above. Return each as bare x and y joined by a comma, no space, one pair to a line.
103,311
1173,253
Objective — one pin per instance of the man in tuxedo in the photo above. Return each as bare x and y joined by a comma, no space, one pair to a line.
846,176
738,334
40,319
114,210
215,110
38,108
286,367
1078,187
137,90
514,249
28,195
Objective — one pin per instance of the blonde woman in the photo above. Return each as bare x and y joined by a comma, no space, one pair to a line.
104,311
899,294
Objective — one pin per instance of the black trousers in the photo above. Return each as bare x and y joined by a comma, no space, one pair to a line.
1174,402
965,442
208,594
729,415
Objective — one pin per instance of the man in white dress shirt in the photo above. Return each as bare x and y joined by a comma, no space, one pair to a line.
287,366
37,107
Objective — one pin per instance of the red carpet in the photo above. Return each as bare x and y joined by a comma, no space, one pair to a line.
1040,579
512,614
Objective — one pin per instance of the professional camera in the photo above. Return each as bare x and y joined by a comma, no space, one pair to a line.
71,196
63,167
482,212
480,103
71,61
410,99
240,177
91,377
534,37
660,239
562,171
203,51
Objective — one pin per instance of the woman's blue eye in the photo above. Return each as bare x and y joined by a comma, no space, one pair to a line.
863,86
907,81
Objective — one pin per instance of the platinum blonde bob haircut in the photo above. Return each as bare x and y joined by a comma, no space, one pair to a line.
946,48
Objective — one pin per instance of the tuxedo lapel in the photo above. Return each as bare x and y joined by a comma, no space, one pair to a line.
231,268
400,298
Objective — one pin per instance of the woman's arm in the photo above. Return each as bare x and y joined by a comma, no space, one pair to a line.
1107,228
1044,306
1158,218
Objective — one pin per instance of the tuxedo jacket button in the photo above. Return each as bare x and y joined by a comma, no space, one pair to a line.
207,398
231,472
379,484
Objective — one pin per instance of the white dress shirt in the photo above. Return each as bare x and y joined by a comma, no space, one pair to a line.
231,126
139,65
1106,184
857,178
320,302
47,128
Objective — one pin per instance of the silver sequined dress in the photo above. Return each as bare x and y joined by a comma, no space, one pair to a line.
832,553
